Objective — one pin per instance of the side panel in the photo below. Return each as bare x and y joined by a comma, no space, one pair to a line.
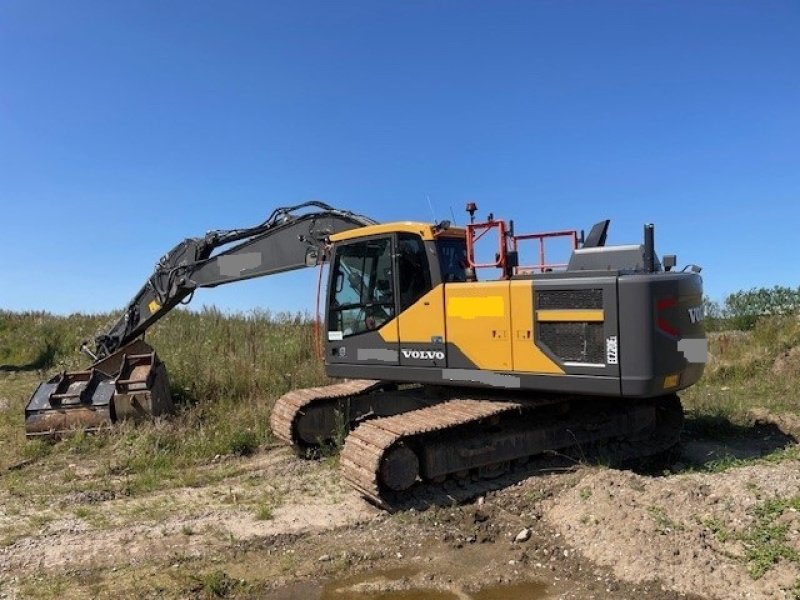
478,318
576,324
422,331
662,337
527,357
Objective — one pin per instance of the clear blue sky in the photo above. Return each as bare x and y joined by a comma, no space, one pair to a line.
127,126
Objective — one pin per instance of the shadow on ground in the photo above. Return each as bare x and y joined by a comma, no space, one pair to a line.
44,360
707,444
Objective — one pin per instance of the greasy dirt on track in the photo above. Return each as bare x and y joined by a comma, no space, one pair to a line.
273,526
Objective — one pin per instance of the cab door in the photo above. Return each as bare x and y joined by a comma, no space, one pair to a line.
420,305
361,324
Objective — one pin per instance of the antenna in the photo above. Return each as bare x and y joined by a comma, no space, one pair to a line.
452,214
430,204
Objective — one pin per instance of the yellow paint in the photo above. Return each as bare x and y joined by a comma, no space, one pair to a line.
479,321
671,381
527,357
153,306
424,319
570,315
469,307
425,230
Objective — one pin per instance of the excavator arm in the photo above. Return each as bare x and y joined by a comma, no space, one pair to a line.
127,380
291,238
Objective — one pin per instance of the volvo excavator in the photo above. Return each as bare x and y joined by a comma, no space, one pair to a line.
445,374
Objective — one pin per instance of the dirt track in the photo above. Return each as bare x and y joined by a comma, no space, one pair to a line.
592,531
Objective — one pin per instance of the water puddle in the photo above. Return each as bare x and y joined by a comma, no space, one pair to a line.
403,584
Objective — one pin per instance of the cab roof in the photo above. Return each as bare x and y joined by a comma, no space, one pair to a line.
427,231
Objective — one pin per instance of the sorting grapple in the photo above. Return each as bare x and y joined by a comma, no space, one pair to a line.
131,383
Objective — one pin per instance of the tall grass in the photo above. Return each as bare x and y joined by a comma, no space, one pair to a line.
225,371
760,367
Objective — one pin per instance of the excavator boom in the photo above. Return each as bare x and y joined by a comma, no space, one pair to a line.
127,379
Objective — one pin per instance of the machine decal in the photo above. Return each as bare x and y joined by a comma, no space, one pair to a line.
612,357
696,314
233,265
335,336
379,354
695,350
153,306
473,308
423,354
485,377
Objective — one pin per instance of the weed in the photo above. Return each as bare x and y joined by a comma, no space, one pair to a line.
585,493
264,512
82,512
535,496
664,524
717,527
217,584
187,530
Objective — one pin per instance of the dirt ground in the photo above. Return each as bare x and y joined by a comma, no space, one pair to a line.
274,526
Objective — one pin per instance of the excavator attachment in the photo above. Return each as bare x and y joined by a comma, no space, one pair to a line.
131,383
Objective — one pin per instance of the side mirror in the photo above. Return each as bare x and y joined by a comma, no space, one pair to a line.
312,257
669,261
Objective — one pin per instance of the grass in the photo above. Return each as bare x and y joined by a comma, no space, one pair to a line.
226,372
765,541
746,369
664,524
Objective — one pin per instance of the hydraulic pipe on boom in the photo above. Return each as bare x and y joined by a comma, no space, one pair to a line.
127,380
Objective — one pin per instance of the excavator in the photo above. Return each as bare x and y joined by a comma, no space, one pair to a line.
445,375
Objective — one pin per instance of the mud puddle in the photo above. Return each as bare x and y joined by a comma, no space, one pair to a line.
403,584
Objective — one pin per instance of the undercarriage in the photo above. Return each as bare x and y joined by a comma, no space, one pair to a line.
396,438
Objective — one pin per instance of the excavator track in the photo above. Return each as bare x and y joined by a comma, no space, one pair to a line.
366,453
400,437
384,458
290,407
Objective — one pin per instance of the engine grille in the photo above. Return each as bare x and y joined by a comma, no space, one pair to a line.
566,299
582,342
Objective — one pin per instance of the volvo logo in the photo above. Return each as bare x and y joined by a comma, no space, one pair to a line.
423,354
695,314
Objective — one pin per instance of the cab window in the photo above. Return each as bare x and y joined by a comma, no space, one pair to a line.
452,259
412,263
362,289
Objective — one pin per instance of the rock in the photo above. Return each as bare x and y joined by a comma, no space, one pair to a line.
324,558
523,536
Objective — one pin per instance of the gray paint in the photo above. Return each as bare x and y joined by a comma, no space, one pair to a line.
572,384
695,350
233,265
490,378
380,354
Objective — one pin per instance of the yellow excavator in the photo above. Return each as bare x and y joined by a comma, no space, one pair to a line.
445,375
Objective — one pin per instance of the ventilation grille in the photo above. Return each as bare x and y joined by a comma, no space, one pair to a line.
574,342
566,299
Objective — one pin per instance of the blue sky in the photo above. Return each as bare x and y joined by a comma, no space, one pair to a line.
127,126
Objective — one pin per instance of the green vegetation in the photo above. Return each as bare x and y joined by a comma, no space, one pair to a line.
760,367
664,524
225,371
742,310
765,541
